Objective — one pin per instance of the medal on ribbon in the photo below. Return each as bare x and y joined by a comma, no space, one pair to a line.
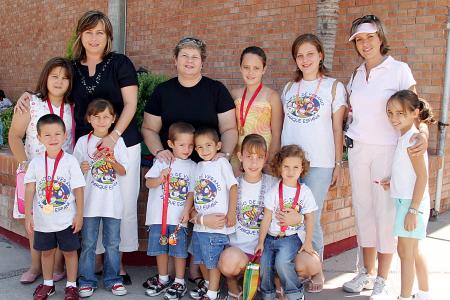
163,240
242,115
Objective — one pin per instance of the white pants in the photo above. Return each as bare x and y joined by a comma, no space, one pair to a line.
129,188
374,208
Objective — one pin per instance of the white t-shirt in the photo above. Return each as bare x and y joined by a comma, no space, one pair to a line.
308,122
250,212
213,180
368,99
102,197
68,176
181,183
306,203
403,177
4,104
39,108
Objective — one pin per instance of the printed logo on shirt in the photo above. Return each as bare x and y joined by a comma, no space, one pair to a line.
103,174
178,189
303,109
288,204
249,217
206,189
60,194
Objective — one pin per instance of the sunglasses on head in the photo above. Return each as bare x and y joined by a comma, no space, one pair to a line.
365,19
195,41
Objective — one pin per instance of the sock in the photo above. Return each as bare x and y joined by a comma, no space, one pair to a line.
70,283
402,298
178,280
207,283
48,282
422,295
211,294
163,278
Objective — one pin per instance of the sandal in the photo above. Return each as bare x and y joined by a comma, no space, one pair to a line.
230,294
280,294
313,287
29,277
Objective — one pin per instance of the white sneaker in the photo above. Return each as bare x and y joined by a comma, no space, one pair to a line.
359,282
417,297
118,289
380,291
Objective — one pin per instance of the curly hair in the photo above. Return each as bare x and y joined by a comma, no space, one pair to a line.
285,152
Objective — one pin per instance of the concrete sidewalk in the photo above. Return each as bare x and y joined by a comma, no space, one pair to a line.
14,260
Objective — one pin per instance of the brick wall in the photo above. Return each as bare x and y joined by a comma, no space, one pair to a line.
415,30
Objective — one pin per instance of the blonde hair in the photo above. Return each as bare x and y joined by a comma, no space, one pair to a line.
88,21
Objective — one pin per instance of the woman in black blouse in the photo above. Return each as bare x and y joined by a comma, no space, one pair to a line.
100,73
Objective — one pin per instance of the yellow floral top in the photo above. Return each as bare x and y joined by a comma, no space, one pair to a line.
258,121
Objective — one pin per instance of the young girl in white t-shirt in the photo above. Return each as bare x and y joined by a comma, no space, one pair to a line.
279,244
103,201
409,189
252,188
51,96
314,107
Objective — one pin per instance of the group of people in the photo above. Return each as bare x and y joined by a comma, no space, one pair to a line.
254,186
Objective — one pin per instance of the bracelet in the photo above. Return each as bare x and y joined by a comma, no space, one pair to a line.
160,150
111,137
118,132
227,155
201,220
340,163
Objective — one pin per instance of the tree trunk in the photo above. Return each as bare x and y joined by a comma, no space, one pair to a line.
327,18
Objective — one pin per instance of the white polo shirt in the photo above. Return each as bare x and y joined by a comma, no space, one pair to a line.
368,99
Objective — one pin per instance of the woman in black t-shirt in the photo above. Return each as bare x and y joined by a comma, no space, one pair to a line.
190,97
100,73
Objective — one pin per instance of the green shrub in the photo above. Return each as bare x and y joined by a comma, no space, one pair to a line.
70,42
147,83
6,118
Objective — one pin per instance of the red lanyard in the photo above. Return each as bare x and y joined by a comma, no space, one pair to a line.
315,92
294,203
87,145
49,185
61,109
242,116
163,240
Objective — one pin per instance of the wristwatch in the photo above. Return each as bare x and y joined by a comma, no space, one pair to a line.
340,163
227,155
413,211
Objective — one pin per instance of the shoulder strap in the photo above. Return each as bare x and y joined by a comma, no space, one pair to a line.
288,87
333,90
351,81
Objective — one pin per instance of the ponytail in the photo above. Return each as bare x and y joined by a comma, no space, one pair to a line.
425,112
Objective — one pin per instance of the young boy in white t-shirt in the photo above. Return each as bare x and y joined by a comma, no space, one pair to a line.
170,185
215,193
54,205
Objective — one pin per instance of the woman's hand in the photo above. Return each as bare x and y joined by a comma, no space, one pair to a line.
106,144
410,222
165,156
334,179
308,248
288,217
23,104
420,146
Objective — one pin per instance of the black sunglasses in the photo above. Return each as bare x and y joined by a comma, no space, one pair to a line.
365,19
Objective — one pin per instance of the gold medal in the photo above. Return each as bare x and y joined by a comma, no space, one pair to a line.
241,131
48,208
163,240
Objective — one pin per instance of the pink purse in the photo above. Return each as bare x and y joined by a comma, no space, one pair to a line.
20,189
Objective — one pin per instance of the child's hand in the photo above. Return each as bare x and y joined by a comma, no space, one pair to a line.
308,248
184,216
29,225
163,175
259,248
77,223
84,167
231,219
385,183
410,222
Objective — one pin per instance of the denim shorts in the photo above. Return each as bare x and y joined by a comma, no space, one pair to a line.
65,240
207,248
155,248
402,207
